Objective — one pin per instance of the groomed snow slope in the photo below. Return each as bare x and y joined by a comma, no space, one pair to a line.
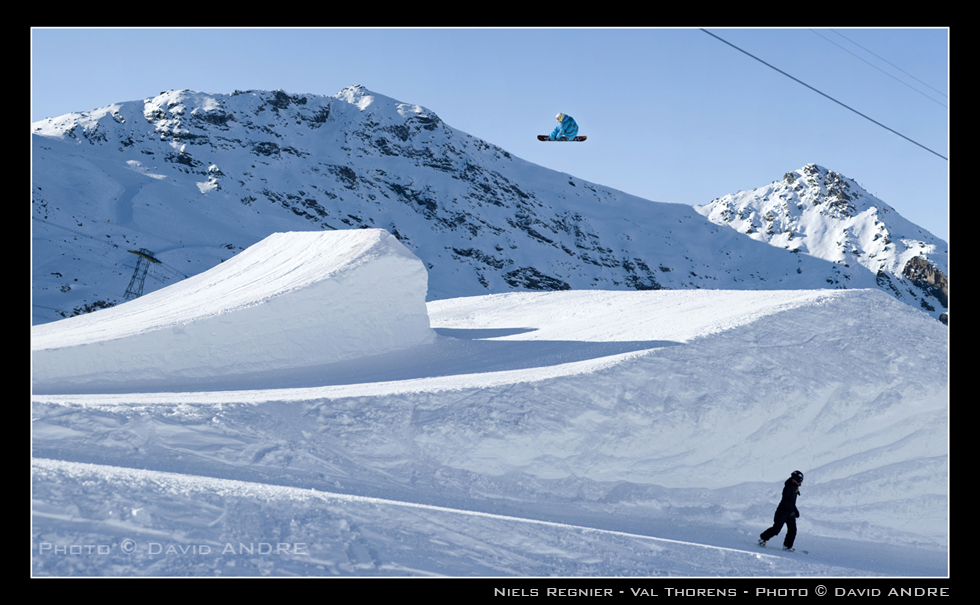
293,299
564,433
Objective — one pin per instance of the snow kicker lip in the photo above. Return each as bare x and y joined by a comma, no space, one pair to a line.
293,299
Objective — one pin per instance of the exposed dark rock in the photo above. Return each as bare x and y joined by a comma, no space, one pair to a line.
921,273
530,278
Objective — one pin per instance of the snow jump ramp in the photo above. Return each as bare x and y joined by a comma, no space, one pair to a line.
292,300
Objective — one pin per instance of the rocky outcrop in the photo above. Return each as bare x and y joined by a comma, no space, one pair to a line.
921,273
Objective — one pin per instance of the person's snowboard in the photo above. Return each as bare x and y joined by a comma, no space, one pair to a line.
544,137
805,552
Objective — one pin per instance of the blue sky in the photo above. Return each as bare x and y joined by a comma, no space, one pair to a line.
673,115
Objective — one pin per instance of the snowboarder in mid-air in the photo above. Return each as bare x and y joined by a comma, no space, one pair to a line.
566,130
786,513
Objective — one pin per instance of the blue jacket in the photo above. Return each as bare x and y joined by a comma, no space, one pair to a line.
566,130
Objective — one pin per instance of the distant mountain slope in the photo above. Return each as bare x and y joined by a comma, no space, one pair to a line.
196,178
822,213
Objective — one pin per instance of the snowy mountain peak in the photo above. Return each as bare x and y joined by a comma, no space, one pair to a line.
822,213
366,100
357,95
197,177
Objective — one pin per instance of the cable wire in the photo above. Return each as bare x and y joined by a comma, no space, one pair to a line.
824,94
882,70
890,63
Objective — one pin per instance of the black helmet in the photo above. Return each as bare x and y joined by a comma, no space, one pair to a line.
797,476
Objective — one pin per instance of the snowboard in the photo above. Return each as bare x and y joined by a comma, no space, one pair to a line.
544,137
780,548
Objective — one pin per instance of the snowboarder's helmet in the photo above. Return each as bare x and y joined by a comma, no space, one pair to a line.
797,476
560,117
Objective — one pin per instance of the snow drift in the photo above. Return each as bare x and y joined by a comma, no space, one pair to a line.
663,457
293,299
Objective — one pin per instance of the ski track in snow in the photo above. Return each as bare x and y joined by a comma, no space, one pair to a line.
156,520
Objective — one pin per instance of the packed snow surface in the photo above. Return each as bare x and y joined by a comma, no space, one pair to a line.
573,433
293,299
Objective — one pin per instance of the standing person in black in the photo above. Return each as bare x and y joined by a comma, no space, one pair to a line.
786,513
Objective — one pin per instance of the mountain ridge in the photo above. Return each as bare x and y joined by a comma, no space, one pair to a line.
197,177
823,213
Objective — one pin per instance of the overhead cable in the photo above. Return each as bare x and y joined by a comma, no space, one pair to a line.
825,95
890,63
881,70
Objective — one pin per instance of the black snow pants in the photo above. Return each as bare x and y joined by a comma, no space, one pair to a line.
781,518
